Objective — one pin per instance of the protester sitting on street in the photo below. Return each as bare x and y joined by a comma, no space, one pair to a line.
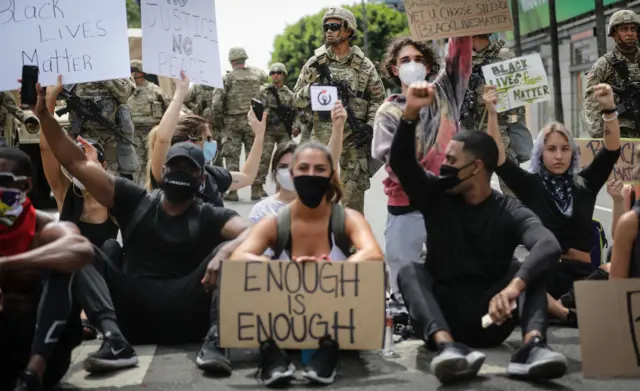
293,234
38,256
280,169
470,270
559,192
172,245
408,61
625,258
173,129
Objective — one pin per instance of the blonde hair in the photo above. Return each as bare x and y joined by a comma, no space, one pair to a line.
151,141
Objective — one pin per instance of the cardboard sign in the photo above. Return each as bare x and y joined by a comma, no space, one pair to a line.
431,19
609,318
624,168
323,98
519,81
84,40
297,304
181,35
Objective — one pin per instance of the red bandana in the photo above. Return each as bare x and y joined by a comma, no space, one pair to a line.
17,238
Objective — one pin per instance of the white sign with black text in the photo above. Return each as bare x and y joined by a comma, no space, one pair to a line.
84,40
519,81
181,35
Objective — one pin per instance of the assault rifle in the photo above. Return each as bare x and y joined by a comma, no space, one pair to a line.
285,114
88,110
476,79
629,94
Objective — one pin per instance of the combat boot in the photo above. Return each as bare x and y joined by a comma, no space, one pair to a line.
231,196
257,192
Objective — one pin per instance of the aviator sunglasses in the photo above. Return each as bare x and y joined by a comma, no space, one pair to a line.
331,26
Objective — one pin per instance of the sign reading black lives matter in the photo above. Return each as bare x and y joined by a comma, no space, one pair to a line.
181,35
519,81
297,304
431,19
84,40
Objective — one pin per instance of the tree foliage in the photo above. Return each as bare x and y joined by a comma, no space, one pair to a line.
296,44
133,14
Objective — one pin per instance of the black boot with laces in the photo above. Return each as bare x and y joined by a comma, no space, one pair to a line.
323,366
275,368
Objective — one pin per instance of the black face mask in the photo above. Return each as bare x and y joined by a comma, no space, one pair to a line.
179,186
311,189
449,179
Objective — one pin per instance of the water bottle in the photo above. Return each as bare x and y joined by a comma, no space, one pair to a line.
388,349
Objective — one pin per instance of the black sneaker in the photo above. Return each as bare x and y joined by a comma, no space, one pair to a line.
28,381
536,360
275,368
323,365
455,362
114,353
212,359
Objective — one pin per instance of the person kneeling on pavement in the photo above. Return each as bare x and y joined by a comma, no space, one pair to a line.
172,245
293,234
470,268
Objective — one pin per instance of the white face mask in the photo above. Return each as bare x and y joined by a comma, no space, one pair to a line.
283,177
412,72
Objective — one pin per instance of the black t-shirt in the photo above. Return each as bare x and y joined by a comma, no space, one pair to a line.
575,231
161,246
470,247
216,182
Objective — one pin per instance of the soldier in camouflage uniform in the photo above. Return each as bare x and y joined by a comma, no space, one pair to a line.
199,100
277,131
230,107
111,96
148,104
8,109
486,52
348,65
623,28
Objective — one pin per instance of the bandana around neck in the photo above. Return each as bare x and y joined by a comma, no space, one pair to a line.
560,187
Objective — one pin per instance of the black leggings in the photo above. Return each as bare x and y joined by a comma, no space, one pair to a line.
148,311
57,333
435,308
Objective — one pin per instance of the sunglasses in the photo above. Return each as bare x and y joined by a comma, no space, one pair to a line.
7,178
275,73
332,26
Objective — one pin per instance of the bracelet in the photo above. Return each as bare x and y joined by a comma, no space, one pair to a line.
605,119
609,111
408,122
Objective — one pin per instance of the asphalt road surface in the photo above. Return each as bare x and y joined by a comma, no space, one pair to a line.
173,368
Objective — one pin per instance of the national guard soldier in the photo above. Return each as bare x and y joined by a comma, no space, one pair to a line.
282,123
147,104
8,108
111,96
621,70
230,107
361,90
473,113
198,100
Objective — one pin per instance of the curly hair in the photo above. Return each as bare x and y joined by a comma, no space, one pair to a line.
393,49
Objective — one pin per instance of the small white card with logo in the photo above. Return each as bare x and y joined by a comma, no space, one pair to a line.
323,97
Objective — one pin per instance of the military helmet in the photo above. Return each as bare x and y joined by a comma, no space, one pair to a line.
136,65
237,53
622,17
278,67
342,14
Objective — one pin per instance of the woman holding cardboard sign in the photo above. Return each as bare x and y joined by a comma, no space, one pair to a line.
312,228
561,194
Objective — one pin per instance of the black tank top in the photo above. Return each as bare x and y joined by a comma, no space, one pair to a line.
96,233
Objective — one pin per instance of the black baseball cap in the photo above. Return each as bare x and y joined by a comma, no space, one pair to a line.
187,150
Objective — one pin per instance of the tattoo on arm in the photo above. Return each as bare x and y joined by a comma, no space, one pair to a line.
607,132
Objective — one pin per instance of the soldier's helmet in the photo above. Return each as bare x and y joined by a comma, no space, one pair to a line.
136,65
278,67
342,14
237,53
622,17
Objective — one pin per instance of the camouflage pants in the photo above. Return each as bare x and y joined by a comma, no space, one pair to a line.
354,169
237,131
270,141
142,153
119,155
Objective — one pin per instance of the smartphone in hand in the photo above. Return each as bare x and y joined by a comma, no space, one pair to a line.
28,93
258,108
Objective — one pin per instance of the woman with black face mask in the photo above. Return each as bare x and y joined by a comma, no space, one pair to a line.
312,239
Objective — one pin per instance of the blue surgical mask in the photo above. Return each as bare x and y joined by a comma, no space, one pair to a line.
210,150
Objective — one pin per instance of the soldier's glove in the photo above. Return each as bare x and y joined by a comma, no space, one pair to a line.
361,137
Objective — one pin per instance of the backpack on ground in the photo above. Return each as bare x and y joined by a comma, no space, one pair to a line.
340,236
598,244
